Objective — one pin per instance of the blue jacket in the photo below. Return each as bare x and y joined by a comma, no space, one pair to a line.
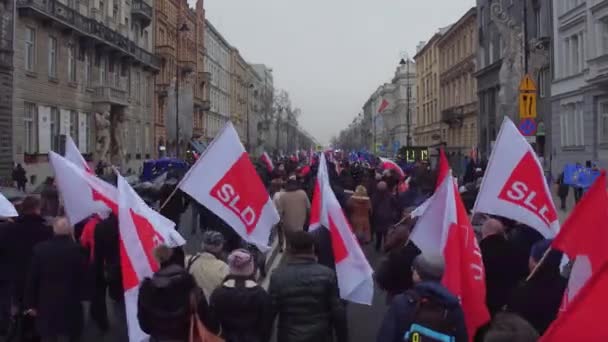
400,314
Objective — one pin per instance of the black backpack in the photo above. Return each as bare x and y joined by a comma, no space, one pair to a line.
431,321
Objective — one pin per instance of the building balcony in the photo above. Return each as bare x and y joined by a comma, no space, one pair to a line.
141,11
205,105
110,95
204,76
187,66
90,30
453,116
165,52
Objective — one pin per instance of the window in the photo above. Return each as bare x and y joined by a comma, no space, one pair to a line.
88,69
30,49
574,53
138,86
52,57
538,23
542,82
482,17
161,34
147,141
571,122
129,85
74,125
72,63
603,124
146,42
138,138
604,34
102,70
30,125
55,132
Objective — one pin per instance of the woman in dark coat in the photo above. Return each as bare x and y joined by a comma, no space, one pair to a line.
53,291
538,299
562,191
243,308
385,212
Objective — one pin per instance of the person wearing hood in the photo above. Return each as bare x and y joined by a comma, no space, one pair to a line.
359,212
17,241
427,271
208,268
498,256
242,307
55,285
168,299
538,299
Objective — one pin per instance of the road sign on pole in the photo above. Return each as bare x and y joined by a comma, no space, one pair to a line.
527,98
527,127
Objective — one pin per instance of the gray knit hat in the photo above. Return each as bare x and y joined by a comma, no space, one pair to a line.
429,267
212,241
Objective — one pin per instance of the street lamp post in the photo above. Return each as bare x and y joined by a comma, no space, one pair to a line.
180,30
250,86
408,95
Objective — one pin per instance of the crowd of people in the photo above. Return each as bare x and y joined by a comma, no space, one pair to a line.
51,268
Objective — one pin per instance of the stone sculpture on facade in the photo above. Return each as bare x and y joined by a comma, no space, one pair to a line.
118,150
102,128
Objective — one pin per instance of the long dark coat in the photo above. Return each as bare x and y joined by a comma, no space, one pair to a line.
54,286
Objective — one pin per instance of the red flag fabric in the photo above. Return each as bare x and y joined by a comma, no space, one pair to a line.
383,105
584,319
444,229
352,268
584,237
388,164
443,169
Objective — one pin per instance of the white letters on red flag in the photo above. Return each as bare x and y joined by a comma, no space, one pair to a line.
514,184
141,229
225,181
352,268
267,161
388,164
444,229
83,194
584,237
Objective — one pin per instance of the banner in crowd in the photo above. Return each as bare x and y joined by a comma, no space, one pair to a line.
225,181
514,184
141,229
444,229
388,164
579,176
355,275
584,237
7,209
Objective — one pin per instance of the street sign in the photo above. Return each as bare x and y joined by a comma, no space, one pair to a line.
527,98
527,127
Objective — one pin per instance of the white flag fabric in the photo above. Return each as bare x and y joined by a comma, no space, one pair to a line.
72,153
7,209
225,181
355,275
318,212
77,188
267,161
514,184
141,229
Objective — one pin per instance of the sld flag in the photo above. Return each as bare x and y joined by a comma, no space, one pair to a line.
514,184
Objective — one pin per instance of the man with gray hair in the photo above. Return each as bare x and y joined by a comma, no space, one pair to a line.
428,306
208,268
53,291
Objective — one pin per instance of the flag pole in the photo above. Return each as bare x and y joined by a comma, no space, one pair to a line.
219,134
540,262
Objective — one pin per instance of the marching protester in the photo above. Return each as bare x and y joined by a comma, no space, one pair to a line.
294,208
428,304
301,280
208,268
507,327
360,211
168,299
562,191
55,286
385,212
49,198
19,177
242,307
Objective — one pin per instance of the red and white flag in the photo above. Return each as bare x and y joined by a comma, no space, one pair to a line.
583,320
72,153
514,185
83,194
584,237
7,209
444,229
267,161
388,164
383,105
355,275
225,181
141,229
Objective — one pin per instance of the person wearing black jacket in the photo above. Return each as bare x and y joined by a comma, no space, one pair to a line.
55,285
305,296
17,241
164,305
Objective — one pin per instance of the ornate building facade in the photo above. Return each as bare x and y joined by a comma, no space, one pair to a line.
217,63
458,87
85,70
239,90
7,15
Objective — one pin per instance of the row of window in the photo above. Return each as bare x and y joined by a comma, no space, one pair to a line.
459,91
216,50
458,50
220,102
214,124
219,76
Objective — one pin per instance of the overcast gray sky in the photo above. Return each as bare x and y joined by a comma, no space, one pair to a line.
330,55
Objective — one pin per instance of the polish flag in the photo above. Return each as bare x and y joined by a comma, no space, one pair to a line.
389,164
584,237
583,320
355,275
444,229
141,229
514,185
72,153
225,181
83,194
267,161
7,209
383,105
